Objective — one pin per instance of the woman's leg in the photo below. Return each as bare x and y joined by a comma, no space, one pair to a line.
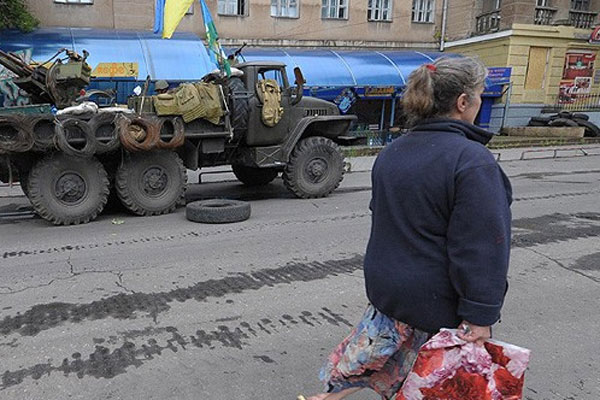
334,396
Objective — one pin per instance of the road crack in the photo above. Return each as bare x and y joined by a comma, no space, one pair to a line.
563,266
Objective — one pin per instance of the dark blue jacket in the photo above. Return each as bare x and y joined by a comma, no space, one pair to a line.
440,236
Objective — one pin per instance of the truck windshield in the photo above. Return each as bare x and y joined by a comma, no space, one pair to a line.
273,74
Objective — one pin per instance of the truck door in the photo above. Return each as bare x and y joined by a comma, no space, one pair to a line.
260,134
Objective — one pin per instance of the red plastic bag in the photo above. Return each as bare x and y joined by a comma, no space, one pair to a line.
448,368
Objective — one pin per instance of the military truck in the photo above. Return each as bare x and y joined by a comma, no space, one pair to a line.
70,164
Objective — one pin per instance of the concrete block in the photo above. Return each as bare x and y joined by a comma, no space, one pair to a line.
544,131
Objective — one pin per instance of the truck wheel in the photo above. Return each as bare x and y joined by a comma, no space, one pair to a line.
254,176
68,190
151,183
24,181
217,211
239,107
315,168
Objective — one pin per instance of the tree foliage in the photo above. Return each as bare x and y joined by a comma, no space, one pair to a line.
14,14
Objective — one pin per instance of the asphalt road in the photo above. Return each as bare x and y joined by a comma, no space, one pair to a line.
163,308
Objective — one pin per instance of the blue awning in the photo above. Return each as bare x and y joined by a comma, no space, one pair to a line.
184,57
344,68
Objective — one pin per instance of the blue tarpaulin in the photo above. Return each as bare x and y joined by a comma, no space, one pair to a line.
329,73
182,58
185,58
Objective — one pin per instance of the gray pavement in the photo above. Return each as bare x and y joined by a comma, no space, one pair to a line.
161,307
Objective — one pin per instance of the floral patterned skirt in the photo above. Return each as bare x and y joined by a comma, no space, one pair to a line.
378,354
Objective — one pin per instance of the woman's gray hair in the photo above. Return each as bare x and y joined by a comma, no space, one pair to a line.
432,89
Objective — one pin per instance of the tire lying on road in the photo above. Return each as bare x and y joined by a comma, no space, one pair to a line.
68,190
218,211
151,183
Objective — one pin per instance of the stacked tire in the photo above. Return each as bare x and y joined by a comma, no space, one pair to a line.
568,119
70,166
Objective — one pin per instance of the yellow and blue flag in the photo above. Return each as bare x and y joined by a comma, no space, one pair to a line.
168,15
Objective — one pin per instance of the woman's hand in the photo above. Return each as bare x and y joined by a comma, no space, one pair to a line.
474,333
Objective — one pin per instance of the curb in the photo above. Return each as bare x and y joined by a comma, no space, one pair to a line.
497,143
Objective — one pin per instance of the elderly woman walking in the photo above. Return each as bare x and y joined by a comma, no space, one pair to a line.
439,247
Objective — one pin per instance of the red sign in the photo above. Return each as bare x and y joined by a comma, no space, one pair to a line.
595,36
579,63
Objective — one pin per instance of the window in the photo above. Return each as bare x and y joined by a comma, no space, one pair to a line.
284,8
491,5
537,68
379,10
232,7
274,74
423,10
581,5
334,9
74,1
542,3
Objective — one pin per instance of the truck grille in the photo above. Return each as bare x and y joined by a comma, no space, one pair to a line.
315,112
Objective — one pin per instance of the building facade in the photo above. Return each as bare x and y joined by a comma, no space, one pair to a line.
386,24
547,44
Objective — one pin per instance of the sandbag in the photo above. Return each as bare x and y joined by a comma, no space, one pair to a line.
210,96
191,101
269,94
165,104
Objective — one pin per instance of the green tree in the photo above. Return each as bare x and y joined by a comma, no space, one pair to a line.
14,14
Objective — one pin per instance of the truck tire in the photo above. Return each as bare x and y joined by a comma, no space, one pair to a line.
16,135
43,132
104,128
137,133
591,129
218,211
72,129
68,190
565,114
315,168
563,122
254,176
151,183
173,130
24,182
238,107
580,116
539,121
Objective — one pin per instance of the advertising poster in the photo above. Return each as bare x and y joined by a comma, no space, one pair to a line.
566,93
583,85
578,76
579,64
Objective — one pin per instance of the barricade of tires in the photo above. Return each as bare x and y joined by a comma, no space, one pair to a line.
16,134
568,119
75,136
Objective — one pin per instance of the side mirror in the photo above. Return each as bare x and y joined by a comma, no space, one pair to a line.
299,86
300,81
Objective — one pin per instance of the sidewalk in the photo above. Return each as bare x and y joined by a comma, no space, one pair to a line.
362,164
